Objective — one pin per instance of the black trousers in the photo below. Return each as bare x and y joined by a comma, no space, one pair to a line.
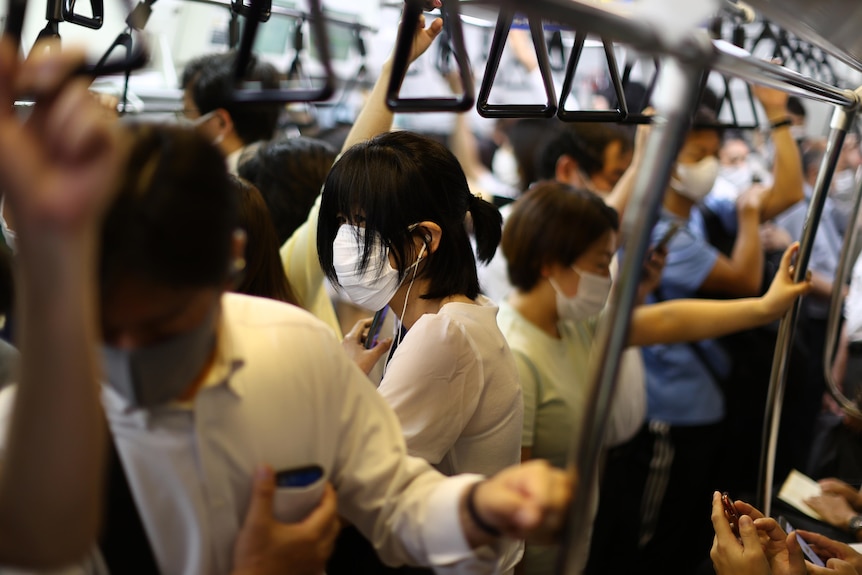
655,502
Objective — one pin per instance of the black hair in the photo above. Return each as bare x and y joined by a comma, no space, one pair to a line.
552,223
263,275
289,174
173,219
585,143
635,94
796,107
527,138
210,82
399,179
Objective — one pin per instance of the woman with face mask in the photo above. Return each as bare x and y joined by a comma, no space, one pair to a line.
559,243
393,231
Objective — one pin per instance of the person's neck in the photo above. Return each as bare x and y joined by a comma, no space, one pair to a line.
230,145
417,306
539,307
677,204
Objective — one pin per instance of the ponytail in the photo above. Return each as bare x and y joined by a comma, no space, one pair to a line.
487,226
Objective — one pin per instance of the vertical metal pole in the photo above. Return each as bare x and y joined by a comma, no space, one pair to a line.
680,81
836,305
841,121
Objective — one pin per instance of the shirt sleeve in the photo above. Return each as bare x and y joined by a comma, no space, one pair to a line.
406,509
433,383
302,267
530,393
689,262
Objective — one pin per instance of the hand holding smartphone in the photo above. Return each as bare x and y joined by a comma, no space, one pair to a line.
671,231
806,549
374,331
298,492
730,512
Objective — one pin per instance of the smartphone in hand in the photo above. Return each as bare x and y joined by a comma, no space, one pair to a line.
298,491
806,549
730,512
374,331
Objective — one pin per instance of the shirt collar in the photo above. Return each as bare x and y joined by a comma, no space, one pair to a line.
228,360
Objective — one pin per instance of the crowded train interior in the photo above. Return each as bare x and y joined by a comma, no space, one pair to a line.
622,236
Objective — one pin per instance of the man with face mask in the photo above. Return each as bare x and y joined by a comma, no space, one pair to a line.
208,106
669,464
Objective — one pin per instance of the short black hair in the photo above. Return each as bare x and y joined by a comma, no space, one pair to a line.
173,218
399,179
584,142
528,137
289,174
209,80
552,223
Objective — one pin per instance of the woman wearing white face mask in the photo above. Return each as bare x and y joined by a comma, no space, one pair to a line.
559,243
392,231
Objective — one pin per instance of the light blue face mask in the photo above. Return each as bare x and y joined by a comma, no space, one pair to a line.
156,374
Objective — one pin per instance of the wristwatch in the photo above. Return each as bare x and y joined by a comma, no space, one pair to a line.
855,524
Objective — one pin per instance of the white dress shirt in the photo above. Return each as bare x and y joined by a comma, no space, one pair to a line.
453,384
281,392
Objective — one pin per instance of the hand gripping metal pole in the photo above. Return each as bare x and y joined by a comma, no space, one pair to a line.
841,121
836,306
680,81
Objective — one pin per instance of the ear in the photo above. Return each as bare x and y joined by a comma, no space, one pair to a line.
430,234
225,122
567,171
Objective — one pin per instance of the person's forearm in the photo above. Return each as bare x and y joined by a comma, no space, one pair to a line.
787,187
621,194
375,117
52,473
671,321
821,286
747,251
465,147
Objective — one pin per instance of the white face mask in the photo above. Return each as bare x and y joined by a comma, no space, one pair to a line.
589,301
741,177
843,185
373,288
695,181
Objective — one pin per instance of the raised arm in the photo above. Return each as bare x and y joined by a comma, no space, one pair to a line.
741,274
375,118
787,187
671,321
620,195
58,172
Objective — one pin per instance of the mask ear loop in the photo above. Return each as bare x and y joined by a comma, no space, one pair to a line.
400,322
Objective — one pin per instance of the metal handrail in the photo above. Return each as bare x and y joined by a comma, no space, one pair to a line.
498,43
401,60
833,324
670,126
842,119
280,95
14,26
